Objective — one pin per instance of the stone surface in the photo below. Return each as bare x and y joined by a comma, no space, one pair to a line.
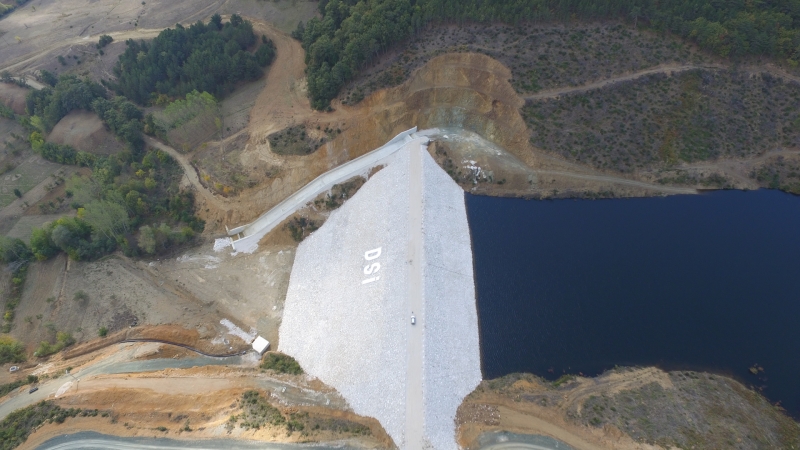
347,320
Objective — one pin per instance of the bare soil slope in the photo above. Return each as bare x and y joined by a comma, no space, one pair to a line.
13,97
84,131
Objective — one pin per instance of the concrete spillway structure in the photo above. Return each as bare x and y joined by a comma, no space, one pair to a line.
400,246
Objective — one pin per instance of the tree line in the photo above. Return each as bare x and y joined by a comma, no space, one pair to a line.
351,33
209,57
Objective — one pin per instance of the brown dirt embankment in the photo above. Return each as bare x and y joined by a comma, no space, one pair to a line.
13,97
173,334
464,90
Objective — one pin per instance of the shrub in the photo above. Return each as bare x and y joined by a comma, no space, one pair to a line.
104,40
16,427
63,340
11,350
281,363
102,332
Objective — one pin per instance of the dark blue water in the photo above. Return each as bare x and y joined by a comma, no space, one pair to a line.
707,282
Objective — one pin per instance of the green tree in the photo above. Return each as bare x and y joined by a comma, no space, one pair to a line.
147,239
11,351
13,249
104,40
42,245
106,218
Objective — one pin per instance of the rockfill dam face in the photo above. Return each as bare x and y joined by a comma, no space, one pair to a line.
400,248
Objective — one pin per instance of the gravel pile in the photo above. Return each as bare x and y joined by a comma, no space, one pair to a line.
350,328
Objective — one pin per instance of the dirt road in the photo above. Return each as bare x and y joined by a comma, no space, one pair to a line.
23,61
189,172
552,93
618,180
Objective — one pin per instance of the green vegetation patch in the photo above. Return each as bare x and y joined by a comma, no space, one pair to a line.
660,119
339,194
17,426
11,350
209,57
294,141
8,9
779,172
702,411
185,123
257,412
63,340
18,254
278,362
301,227
51,104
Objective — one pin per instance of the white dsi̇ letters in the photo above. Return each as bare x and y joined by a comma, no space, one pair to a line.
372,269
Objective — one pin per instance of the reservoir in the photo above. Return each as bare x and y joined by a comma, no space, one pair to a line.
706,282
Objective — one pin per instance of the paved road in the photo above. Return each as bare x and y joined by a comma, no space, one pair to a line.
253,232
96,441
415,408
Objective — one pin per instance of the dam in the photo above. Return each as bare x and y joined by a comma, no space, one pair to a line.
381,301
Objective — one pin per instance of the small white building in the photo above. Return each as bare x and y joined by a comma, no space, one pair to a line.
260,345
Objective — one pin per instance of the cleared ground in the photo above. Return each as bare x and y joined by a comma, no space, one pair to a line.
84,131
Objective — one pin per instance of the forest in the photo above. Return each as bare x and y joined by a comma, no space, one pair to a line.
209,58
351,34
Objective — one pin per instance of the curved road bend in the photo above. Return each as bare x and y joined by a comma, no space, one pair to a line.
87,440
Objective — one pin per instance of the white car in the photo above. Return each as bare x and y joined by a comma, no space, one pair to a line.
13,368
413,320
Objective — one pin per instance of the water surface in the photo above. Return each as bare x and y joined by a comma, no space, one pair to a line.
706,282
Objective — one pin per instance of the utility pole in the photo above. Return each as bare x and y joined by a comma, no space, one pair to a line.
73,377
